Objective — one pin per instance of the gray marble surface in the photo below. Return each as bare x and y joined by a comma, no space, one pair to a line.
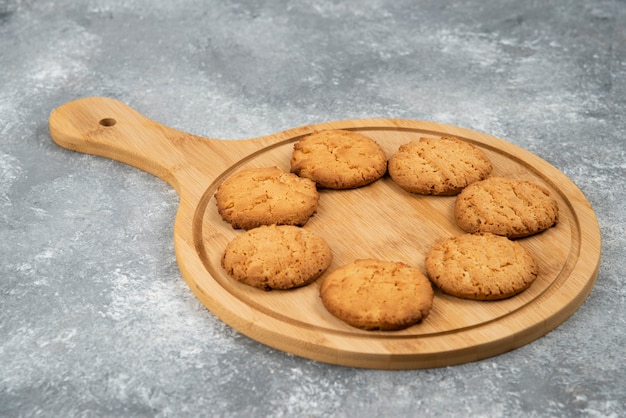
95,319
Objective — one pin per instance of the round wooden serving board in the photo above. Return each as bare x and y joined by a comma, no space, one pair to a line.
377,221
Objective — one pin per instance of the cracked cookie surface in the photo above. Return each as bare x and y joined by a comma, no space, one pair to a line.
265,196
513,208
481,266
442,166
276,257
377,295
338,159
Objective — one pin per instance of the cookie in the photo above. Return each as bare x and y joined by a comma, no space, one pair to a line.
513,208
377,295
438,166
338,159
481,266
276,257
266,196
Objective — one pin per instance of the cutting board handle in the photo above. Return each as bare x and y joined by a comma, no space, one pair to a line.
109,128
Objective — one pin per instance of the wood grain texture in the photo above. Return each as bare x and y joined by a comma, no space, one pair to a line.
377,221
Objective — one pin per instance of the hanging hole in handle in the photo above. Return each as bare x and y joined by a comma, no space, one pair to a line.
107,122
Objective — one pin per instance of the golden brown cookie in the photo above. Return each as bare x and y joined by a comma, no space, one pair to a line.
481,266
377,295
438,166
513,208
265,196
276,257
338,159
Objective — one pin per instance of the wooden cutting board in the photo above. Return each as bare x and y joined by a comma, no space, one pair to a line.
378,221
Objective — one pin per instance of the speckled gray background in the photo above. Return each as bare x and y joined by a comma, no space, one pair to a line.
95,319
